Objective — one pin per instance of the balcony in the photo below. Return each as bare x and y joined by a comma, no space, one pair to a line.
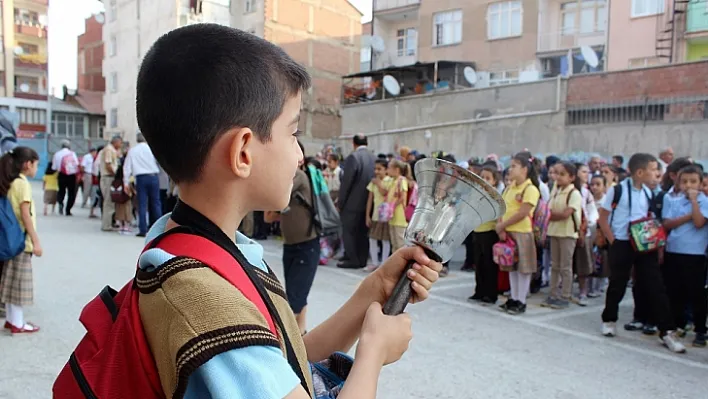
396,10
568,39
35,65
30,29
697,18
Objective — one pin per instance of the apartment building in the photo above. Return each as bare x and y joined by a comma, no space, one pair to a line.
24,66
130,28
322,35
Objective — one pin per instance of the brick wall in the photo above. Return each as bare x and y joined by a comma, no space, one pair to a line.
324,37
90,47
682,80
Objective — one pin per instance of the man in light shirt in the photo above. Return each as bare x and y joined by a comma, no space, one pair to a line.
66,162
141,164
108,166
87,176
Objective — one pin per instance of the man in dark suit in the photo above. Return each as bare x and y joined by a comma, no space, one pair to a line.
358,172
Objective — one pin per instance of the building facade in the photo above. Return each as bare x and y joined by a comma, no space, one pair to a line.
509,38
90,55
322,35
24,67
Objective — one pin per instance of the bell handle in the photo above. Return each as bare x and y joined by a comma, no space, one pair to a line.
402,292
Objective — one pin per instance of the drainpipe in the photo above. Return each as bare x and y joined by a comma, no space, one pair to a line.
607,36
371,48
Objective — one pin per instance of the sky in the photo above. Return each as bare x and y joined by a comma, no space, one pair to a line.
63,36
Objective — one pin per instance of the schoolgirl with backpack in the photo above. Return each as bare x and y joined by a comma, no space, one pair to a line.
18,236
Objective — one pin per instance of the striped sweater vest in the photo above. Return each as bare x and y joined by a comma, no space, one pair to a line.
191,314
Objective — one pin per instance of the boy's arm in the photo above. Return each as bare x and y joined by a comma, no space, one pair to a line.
362,381
673,223
604,225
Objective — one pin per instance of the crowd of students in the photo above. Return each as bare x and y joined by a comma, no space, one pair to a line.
570,221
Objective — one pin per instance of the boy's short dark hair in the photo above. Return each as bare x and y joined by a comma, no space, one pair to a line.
640,161
381,161
691,170
618,158
198,81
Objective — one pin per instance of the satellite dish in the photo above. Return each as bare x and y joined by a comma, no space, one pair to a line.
24,87
100,18
391,85
589,56
19,50
377,44
470,75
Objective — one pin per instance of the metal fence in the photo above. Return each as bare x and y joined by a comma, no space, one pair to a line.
647,110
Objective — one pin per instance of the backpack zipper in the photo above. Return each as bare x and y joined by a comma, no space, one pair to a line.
81,378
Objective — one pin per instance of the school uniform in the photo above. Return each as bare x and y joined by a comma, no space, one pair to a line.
486,271
564,235
633,205
685,263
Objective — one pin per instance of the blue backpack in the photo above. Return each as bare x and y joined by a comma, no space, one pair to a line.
12,238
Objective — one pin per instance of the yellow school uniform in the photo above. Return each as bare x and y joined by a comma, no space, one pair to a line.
20,192
51,182
400,188
378,197
513,199
562,198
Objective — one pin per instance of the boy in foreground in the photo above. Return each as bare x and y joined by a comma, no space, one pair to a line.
220,109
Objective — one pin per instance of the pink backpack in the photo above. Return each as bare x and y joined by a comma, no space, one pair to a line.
412,201
541,219
69,164
504,253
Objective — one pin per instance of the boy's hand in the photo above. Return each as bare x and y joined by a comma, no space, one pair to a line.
692,194
423,274
386,337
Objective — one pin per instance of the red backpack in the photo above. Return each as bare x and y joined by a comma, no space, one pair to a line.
113,360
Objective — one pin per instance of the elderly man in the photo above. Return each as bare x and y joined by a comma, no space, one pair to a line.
358,172
66,162
108,165
666,157
141,164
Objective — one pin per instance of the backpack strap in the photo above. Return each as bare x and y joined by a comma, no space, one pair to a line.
617,195
567,203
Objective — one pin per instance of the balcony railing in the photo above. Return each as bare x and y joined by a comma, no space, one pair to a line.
22,62
30,29
568,39
382,5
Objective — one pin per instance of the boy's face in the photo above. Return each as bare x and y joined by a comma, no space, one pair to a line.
380,171
704,185
273,181
648,174
689,181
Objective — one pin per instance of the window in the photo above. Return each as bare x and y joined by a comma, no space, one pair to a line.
407,41
68,125
592,17
101,126
28,48
447,28
503,77
644,62
32,116
26,84
26,17
113,82
112,46
114,118
249,6
113,10
504,19
642,8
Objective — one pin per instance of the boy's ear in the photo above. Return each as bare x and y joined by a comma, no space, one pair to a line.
241,152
